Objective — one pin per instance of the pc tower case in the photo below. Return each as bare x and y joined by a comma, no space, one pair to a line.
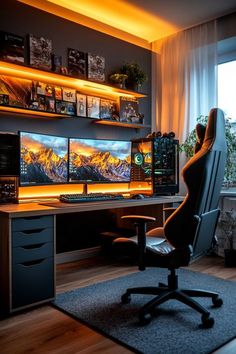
156,161
9,167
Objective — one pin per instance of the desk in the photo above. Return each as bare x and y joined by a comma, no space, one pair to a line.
27,246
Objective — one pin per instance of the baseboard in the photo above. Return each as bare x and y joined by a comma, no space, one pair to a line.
77,255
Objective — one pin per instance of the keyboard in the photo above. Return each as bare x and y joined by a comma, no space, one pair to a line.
91,197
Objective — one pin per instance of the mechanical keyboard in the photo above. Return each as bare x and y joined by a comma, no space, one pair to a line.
91,197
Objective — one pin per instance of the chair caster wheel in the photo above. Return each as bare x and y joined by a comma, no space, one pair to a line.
144,318
207,321
125,298
217,301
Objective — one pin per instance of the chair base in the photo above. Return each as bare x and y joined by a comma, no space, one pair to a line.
171,291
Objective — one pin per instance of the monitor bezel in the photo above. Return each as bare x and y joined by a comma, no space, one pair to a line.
48,183
97,182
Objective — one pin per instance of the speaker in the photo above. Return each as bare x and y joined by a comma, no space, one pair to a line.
9,155
9,167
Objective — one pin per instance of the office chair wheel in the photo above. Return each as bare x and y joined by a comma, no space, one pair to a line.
144,318
217,301
207,321
125,298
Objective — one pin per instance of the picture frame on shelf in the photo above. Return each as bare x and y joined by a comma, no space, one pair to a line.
129,110
58,93
40,52
68,94
63,107
96,67
81,105
76,63
12,48
93,107
49,104
107,108
56,63
4,100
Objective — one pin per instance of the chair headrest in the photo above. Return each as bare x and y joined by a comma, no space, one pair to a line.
215,131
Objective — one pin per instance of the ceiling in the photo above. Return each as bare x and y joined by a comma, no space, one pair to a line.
145,20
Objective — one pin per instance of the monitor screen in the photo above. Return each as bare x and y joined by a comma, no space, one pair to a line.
142,161
43,160
99,160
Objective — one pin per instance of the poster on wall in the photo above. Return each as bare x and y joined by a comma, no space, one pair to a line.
81,105
11,47
76,63
96,67
40,52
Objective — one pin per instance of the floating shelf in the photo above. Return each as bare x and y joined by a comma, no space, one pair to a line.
83,85
120,124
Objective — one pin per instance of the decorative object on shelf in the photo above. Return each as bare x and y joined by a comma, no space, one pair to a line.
118,79
128,109
93,107
56,63
227,223
136,76
230,170
40,52
81,105
96,67
63,107
11,47
49,104
76,63
58,93
4,99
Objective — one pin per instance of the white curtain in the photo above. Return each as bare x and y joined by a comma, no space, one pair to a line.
184,80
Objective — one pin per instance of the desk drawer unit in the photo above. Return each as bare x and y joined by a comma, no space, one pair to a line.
32,262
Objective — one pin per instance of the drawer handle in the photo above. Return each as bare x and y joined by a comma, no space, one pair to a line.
29,247
34,231
30,263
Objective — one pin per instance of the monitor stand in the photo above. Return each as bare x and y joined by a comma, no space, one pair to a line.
85,189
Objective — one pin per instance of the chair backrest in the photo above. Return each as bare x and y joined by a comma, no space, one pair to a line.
203,175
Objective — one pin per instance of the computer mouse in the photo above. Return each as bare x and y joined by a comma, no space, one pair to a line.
138,196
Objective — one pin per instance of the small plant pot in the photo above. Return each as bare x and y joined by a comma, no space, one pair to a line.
230,257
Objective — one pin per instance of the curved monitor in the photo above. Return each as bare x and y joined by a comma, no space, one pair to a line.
97,160
43,159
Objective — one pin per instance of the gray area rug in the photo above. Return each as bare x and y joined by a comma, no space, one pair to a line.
174,328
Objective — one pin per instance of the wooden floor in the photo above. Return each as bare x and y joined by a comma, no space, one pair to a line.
47,330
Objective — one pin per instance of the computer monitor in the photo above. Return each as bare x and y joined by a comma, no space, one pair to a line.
43,159
97,160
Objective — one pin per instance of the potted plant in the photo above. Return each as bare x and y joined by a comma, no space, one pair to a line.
136,76
118,79
230,170
227,223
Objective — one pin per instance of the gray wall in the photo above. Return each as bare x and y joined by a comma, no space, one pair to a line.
22,19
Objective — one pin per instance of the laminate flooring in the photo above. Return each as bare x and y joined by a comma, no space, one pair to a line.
46,330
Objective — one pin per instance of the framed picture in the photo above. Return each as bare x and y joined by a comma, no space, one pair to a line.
12,47
4,99
40,88
93,107
76,63
40,52
128,109
58,93
81,105
107,109
96,67
65,108
68,94
49,104
56,63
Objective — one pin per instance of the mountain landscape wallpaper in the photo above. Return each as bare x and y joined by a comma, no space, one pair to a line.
44,159
99,160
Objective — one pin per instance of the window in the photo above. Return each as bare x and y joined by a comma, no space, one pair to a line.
227,89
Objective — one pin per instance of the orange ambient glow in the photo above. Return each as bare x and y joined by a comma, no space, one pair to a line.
117,18
54,191
25,72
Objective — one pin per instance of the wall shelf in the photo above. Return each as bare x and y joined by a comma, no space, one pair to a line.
120,124
83,85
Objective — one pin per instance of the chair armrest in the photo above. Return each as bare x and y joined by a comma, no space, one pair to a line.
140,222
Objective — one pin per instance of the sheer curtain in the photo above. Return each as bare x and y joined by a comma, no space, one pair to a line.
184,79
